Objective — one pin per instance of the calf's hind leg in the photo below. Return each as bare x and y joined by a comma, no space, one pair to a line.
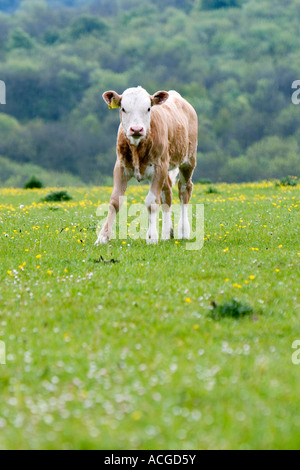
185,187
166,203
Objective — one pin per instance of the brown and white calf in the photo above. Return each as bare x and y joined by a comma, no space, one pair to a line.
157,137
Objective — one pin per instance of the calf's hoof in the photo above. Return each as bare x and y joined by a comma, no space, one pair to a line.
167,234
152,241
102,240
152,238
183,231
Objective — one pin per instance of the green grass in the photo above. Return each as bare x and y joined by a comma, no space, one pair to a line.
127,355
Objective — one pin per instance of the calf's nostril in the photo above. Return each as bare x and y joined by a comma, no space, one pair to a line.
136,130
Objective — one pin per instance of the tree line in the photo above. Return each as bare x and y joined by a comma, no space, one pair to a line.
233,60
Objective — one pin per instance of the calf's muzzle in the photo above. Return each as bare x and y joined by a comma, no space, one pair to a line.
136,131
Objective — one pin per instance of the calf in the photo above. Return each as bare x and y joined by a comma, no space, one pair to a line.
157,138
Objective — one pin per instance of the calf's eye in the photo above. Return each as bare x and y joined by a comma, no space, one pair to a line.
149,109
123,110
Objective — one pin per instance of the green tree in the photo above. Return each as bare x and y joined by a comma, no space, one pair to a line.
216,4
87,24
19,39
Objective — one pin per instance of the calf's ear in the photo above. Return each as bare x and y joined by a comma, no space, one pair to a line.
160,97
112,99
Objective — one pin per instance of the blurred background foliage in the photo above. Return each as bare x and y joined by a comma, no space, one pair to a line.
234,60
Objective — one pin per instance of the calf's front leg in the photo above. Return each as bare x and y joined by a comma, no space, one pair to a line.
120,185
152,204
152,207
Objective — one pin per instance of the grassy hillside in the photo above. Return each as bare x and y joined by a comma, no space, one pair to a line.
233,60
15,175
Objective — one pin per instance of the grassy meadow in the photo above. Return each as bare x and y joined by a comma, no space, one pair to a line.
127,355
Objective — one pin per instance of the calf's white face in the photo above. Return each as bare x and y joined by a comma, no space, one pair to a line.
135,113
135,104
